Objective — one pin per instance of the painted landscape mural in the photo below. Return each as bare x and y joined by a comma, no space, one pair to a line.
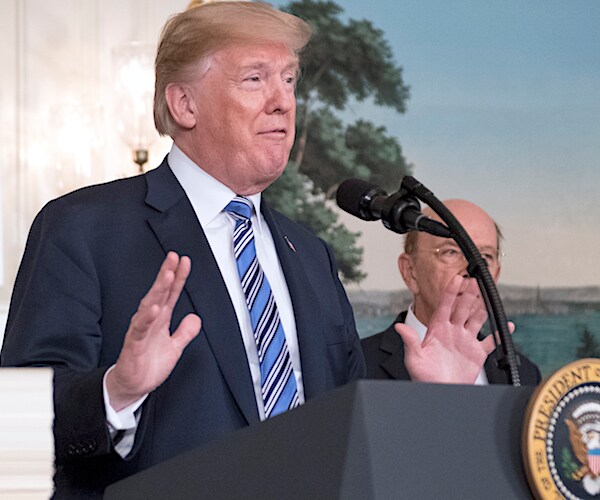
494,102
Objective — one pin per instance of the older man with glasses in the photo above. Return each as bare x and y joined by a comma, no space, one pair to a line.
433,269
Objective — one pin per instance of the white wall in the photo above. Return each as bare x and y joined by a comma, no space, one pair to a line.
53,54
3,313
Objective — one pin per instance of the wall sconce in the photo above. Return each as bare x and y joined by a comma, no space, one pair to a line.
133,98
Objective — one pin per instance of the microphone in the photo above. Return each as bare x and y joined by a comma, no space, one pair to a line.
399,212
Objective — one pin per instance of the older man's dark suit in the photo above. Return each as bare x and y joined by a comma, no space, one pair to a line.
90,257
384,355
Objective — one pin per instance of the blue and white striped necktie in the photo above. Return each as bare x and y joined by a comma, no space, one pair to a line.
278,383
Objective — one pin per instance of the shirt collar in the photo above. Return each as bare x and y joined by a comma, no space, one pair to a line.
208,195
412,321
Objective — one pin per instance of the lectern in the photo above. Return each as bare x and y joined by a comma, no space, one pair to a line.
369,440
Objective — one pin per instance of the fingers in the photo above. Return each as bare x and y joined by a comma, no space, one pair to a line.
467,302
458,302
142,320
447,300
169,282
181,275
165,291
159,291
476,319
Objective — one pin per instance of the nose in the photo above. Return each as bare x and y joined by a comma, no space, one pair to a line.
463,267
281,99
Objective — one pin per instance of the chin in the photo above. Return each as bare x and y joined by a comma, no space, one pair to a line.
267,180
274,167
259,182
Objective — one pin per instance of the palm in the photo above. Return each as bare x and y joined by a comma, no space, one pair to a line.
150,352
450,352
447,356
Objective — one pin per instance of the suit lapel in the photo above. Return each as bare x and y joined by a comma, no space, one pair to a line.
176,227
494,374
392,345
311,341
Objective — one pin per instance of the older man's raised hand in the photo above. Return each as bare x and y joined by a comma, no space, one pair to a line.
450,352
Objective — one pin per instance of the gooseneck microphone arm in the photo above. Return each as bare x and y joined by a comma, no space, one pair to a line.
477,268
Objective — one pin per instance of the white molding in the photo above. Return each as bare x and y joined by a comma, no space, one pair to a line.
3,318
51,53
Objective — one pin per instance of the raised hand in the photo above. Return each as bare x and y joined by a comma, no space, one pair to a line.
150,352
450,351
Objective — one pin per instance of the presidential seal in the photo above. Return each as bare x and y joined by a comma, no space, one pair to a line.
561,434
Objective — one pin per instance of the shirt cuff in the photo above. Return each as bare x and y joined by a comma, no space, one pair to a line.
124,419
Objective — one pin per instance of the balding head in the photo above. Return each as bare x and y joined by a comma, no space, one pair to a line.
461,209
429,262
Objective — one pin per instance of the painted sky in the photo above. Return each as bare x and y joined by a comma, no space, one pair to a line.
504,111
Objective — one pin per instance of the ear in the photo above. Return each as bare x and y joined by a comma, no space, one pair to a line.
407,270
181,105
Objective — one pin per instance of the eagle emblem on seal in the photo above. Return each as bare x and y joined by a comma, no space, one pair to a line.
584,436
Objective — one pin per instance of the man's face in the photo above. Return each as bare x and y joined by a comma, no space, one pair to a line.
428,270
245,110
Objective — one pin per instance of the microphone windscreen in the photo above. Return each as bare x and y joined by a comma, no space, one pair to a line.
350,194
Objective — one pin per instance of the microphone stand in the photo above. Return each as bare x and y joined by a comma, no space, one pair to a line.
477,268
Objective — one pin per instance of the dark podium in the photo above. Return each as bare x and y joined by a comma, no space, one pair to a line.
368,440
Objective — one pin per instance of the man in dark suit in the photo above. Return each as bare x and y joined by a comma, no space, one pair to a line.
139,382
428,265
128,394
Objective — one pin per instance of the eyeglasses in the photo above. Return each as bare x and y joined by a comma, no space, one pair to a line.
452,255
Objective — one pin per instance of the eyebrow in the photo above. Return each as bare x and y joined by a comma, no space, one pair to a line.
261,65
488,248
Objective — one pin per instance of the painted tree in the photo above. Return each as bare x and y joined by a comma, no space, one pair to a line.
345,61
588,345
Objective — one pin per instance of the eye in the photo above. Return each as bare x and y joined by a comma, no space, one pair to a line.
290,77
253,78
449,252
489,258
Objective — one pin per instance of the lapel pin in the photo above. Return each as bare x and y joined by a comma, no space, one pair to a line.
290,244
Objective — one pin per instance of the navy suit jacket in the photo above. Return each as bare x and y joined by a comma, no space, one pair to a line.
90,257
384,355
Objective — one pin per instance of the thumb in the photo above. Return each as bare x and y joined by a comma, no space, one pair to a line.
188,329
409,336
489,344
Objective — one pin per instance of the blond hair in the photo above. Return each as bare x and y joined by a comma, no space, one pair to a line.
190,38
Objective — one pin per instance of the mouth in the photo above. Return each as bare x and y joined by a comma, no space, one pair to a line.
275,133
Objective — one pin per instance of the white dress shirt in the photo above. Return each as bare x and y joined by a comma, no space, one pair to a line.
209,197
412,321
